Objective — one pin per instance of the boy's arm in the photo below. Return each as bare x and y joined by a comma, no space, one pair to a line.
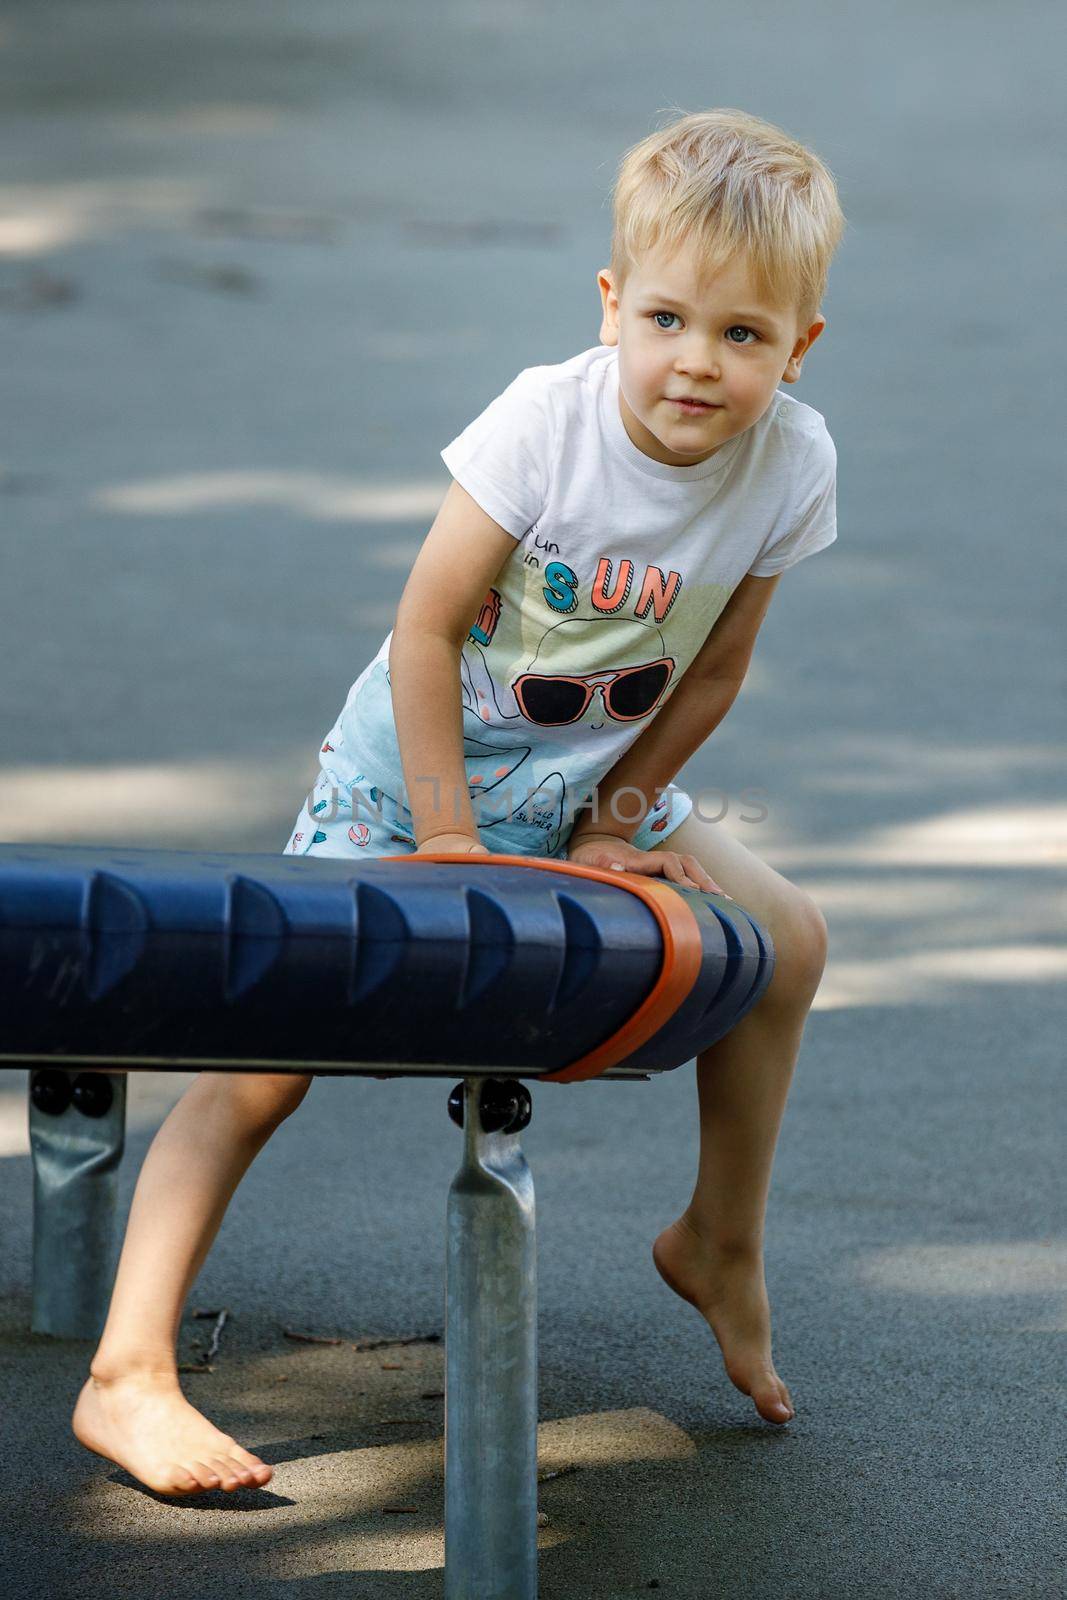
460,556
708,688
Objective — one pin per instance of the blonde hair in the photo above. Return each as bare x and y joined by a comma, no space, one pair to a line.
729,183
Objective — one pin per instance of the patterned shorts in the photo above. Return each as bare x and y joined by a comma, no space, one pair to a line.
362,820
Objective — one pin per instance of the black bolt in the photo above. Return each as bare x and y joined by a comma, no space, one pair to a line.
50,1091
93,1094
504,1106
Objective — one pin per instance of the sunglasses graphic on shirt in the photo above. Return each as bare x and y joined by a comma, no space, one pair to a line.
628,693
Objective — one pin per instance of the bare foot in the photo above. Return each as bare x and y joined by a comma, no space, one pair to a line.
144,1423
729,1291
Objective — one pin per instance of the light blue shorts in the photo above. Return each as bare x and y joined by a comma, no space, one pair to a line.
361,820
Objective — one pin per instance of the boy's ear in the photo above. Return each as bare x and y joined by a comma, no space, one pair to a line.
800,349
609,327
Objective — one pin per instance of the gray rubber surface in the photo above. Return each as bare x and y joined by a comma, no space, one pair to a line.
258,264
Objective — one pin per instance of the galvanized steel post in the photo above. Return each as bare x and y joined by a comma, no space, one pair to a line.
77,1134
491,1356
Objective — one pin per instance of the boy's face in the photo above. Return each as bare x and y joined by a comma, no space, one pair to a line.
715,341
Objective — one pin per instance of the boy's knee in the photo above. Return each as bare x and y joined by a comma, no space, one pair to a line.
283,1092
816,933
801,941
265,1099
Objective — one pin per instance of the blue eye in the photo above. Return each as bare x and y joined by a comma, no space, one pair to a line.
738,327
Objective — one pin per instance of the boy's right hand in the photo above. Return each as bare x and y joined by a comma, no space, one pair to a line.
452,844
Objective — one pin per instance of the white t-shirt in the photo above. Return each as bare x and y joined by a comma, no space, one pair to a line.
620,569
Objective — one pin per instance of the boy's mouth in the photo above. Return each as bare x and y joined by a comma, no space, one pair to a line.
693,405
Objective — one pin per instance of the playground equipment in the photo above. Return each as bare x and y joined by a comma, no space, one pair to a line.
491,968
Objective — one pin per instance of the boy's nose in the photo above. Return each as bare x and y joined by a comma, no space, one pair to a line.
698,361
699,371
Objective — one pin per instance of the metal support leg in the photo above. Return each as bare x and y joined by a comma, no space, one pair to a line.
77,1133
491,1352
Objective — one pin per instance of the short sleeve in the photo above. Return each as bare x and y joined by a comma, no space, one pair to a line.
813,524
502,458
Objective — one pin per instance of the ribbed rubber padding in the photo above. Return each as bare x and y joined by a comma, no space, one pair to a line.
151,955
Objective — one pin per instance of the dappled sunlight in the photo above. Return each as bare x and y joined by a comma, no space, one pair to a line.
187,804
900,938
31,233
149,1096
330,1507
320,496
342,1494
853,763
947,907
609,1439
1021,1267
979,836
926,938
937,977
38,218
872,897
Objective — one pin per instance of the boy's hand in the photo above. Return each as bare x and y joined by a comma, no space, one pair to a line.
606,851
452,844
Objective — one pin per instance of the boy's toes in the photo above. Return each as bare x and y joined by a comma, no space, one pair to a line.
226,1472
771,1399
260,1472
205,1475
239,1469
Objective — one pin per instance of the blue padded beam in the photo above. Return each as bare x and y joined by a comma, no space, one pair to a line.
160,958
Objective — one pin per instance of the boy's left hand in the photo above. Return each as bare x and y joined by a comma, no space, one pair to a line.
606,851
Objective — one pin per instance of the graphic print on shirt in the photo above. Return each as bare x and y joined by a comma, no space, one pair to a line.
562,668
548,692
598,660
603,536
491,769
484,625
609,590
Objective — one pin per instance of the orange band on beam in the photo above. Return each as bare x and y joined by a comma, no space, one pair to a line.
683,952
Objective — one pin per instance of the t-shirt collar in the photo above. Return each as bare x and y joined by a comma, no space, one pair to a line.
620,440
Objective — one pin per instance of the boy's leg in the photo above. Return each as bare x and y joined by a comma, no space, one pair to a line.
131,1409
713,1254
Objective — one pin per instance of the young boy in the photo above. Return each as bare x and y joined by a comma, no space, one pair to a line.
593,586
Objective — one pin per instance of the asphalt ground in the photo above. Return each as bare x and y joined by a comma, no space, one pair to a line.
258,264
